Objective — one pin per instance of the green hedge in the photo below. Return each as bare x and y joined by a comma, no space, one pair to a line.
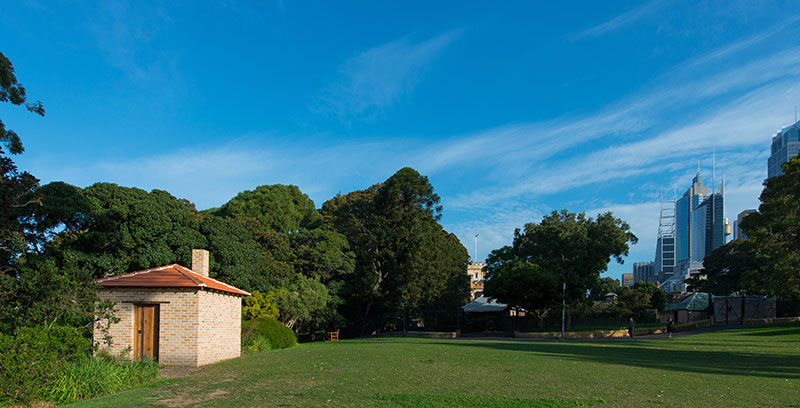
266,333
31,360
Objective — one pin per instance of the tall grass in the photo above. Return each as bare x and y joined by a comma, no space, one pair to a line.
93,377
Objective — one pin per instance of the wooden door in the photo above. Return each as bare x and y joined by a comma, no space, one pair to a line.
145,327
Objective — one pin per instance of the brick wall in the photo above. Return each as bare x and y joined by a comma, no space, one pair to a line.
220,327
196,327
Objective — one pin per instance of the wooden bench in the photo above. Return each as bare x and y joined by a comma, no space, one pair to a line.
333,335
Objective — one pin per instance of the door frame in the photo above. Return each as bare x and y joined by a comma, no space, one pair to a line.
138,325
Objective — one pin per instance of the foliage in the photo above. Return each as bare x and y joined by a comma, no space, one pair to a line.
730,269
563,247
658,299
767,262
93,377
401,251
47,290
259,305
633,302
133,229
306,260
32,357
13,92
15,193
278,335
278,208
235,256
15,186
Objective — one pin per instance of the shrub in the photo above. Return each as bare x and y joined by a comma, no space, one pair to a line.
31,359
278,335
93,377
256,344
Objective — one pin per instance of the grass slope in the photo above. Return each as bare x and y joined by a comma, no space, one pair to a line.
758,366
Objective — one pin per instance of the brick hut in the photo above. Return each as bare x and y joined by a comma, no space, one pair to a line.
174,315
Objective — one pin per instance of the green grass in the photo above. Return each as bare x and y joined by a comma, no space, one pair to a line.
758,366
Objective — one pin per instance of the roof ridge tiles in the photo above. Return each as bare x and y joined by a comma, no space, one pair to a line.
179,272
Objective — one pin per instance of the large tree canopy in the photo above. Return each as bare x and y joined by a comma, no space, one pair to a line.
563,248
402,253
767,263
15,186
307,261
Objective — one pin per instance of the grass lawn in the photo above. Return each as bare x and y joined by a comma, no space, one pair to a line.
758,366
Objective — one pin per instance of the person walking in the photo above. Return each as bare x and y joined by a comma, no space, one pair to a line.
670,323
631,324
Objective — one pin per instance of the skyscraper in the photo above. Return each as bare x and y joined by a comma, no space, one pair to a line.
737,225
684,207
785,145
665,243
644,271
700,227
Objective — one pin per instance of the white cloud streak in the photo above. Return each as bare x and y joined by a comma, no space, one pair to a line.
623,20
376,79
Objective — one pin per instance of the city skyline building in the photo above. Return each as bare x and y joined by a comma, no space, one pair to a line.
665,243
627,280
694,228
644,271
785,145
684,208
737,225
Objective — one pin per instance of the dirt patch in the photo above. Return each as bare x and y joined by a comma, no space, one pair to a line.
187,398
178,372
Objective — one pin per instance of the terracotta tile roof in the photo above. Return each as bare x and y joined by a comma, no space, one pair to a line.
169,276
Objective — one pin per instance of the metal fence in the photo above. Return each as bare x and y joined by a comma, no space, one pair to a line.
734,309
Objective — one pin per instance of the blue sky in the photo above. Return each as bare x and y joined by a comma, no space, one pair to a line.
511,110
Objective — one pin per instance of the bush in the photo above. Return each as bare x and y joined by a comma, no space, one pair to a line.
256,344
31,359
93,377
269,329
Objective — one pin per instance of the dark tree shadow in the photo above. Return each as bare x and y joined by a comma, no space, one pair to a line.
633,354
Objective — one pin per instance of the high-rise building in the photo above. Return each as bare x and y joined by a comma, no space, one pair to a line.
665,243
627,280
708,226
737,225
684,207
700,227
785,145
644,271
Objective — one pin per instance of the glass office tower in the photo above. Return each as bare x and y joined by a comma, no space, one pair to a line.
785,145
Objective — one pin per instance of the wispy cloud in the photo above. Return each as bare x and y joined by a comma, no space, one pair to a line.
126,33
376,79
623,20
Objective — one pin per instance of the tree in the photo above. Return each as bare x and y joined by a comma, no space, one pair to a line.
730,269
13,92
132,229
605,286
658,299
401,251
564,248
235,256
15,186
307,261
774,236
